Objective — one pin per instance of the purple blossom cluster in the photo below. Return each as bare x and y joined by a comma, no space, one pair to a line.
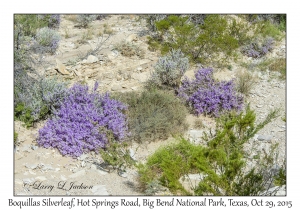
257,50
84,122
208,96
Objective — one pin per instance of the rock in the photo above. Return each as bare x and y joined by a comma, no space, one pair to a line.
31,166
63,178
116,87
77,174
259,105
131,153
47,167
83,164
195,135
41,178
122,174
279,191
132,38
33,147
92,59
82,157
139,69
94,167
99,190
119,77
28,180
264,138
25,148
61,68
142,77
18,181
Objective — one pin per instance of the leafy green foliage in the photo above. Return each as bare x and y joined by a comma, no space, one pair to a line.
15,138
222,162
202,43
23,114
117,155
153,114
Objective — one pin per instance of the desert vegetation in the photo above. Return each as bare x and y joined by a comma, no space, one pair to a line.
78,118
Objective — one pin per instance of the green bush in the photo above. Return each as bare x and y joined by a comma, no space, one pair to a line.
48,39
153,114
210,41
222,162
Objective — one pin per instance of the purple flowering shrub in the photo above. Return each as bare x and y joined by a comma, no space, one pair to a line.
257,50
205,95
84,122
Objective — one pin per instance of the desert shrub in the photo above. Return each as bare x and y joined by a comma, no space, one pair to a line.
52,20
278,20
117,155
244,82
48,39
84,122
168,70
153,114
255,49
279,65
240,31
129,49
29,24
84,20
210,41
34,99
15,138
221,163
207,96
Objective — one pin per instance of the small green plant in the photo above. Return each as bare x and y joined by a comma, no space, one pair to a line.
15,138
153,114
23,114
117,155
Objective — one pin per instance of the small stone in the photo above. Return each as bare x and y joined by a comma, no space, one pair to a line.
28,180
122,174
33,147
83,164
18,181
116,87
139,69
259,105
31,166
82,157
47,167
93,167
92,59
41,178
264,138
61,68
63,178
131,153
57,169
77,174
132,38
119,77
99,190
31,172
